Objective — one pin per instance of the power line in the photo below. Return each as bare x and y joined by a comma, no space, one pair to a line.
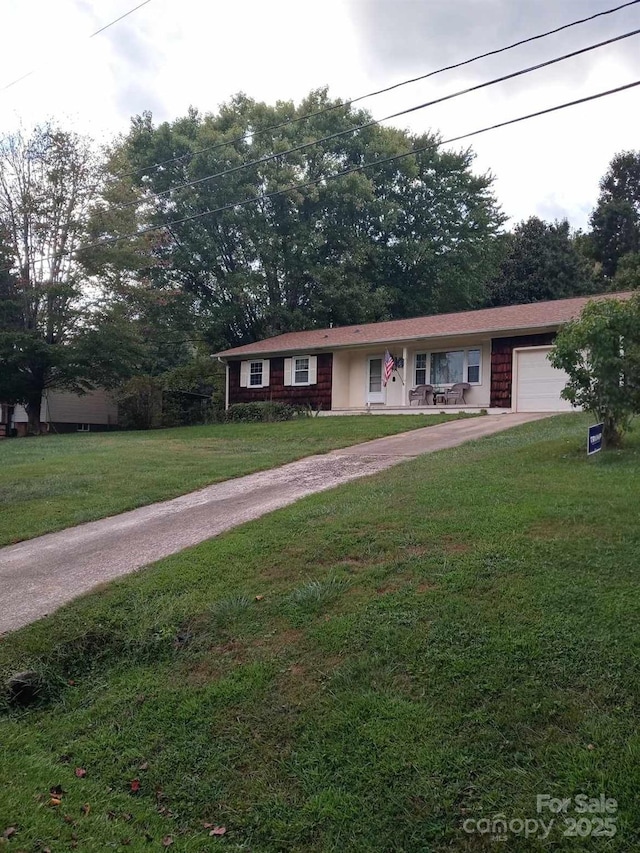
386,89
96,33
395,158
117,20
266,196
270,157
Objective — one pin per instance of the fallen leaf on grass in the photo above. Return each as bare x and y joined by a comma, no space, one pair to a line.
144,766
85,809
259,597
55,801
167,841
218,830
80,772
9,832
134,785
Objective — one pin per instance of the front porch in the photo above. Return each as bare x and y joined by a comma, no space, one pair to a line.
414,410
361,384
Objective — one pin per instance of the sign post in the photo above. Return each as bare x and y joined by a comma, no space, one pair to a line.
594,440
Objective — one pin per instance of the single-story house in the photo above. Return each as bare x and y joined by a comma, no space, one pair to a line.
500,352
63,411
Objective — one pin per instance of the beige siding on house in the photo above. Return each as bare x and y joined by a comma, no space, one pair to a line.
340,380
479,395
63,407
350,372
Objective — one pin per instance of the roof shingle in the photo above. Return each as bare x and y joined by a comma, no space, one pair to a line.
534,315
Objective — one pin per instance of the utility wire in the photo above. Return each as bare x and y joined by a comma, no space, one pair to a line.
96,33
381,162
374,122
343,104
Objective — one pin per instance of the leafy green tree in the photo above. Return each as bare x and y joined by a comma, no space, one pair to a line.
405,237
541,261
52,331
601,353
627,275
615,222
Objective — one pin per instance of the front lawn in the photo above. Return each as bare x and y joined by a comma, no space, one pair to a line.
56,481
366,670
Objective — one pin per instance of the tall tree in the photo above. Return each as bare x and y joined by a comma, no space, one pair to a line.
409,236
541,262
615,222
48,323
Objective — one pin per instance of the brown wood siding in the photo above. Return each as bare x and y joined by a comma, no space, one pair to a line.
318,396
502,364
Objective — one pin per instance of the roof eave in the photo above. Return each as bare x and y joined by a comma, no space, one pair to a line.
230,355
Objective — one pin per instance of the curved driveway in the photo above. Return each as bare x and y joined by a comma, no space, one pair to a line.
41,574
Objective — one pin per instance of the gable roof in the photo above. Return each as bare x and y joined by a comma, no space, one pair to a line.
511,318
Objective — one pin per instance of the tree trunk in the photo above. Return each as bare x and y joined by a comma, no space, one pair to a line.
32,406
611,436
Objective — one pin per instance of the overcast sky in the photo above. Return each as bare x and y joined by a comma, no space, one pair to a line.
173,53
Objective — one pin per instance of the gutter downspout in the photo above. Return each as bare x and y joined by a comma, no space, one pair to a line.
226,382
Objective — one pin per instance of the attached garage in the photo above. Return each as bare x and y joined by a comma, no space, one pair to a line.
537,384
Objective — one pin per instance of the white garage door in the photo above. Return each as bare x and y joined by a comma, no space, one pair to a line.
537,383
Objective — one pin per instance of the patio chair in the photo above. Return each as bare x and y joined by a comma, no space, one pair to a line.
455,394
421,394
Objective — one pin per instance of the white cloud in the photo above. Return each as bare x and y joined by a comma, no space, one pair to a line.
169,55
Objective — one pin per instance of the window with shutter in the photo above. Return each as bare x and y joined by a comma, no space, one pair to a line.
301,370
254,374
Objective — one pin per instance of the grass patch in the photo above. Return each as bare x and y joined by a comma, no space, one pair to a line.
364,670
60,480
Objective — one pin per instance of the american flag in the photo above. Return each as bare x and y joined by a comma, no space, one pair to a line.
389,364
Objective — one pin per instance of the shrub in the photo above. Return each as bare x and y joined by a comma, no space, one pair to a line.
600,351
267,411
140,403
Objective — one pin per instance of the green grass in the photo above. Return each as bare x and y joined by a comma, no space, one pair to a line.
362,671
58,481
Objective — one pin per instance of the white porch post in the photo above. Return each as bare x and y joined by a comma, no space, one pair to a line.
405,387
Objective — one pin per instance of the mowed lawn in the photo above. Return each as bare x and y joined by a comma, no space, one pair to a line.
363,671
56,481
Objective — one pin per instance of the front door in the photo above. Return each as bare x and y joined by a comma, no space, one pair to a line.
375,389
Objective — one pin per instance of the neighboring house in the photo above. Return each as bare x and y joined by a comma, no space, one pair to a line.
63,411
501,352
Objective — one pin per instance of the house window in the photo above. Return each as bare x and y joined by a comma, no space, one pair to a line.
421,368
255,374
447,368
301,371
84,428
473,366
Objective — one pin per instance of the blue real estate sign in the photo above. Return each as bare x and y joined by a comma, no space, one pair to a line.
594,441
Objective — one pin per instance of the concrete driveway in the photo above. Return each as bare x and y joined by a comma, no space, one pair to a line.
40,575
